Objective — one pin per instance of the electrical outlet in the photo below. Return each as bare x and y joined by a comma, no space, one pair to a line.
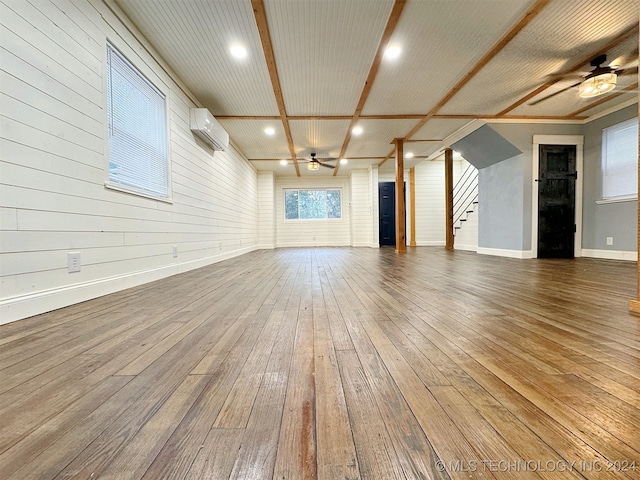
73,262
609,240
175,251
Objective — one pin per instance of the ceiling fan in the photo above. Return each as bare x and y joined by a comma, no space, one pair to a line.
315,164
599,81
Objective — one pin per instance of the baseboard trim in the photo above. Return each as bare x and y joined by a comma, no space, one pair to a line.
311,245
611,254
502,252
24,306
431,243
468,248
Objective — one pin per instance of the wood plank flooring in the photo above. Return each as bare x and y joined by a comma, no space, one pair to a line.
333,363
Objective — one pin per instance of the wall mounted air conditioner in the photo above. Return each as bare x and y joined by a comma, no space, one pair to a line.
203,124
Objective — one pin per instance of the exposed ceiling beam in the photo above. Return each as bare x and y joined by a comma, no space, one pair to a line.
633,30
469,116
394,16
265,38
290,159
529,15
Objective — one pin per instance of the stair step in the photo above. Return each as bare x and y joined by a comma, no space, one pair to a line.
456,228
463,219
475,203
470,211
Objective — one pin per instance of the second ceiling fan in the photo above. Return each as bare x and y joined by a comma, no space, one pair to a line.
315,164
600,80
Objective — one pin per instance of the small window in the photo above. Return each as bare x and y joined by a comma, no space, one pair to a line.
136,113
312,204
620,160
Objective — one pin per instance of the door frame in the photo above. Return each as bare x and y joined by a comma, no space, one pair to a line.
578,141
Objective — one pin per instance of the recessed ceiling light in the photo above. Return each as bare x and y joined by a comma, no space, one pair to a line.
238,51
269,131
284,163
408,155
343,161
357,130
392,52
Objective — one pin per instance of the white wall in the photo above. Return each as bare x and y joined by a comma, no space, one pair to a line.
309,233
53,168
266,209
364,207
430,203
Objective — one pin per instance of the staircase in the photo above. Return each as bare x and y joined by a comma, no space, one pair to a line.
465,199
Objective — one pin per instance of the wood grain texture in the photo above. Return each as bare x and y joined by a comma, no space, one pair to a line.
333,363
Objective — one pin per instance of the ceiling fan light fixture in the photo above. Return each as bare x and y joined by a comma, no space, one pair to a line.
313,165
597,85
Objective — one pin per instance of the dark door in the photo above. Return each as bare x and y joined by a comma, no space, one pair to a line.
556,201
387,212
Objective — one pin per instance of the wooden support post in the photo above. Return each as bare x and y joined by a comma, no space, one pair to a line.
448,185
412,196
634,305
401,242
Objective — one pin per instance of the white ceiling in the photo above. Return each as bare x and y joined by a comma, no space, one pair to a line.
461,60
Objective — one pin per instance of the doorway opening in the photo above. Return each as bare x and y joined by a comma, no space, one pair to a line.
557,196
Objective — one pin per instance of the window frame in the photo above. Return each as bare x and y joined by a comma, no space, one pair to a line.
603,163
164,93
316,189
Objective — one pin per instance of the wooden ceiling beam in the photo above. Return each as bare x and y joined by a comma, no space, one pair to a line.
260,15
631,31
392,21
291,159
462,116
529,15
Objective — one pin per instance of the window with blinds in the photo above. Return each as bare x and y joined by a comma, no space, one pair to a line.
620,161
138,143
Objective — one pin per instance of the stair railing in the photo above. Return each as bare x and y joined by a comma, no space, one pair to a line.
465,195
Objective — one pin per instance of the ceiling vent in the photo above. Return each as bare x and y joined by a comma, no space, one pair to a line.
203,124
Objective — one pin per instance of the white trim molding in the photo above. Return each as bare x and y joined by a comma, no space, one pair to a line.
502,252
611,254
578,141
17,308
468,248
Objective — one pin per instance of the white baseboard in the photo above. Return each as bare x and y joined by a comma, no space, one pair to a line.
611,254
469,248
501,252
431,243
265,246
312,245
23,306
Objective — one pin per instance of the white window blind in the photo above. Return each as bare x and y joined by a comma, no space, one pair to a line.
620,160
138,158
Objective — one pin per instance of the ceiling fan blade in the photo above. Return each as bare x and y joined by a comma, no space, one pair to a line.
554,94
326,166
627,71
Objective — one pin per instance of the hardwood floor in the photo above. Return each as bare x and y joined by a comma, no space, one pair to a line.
333,363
